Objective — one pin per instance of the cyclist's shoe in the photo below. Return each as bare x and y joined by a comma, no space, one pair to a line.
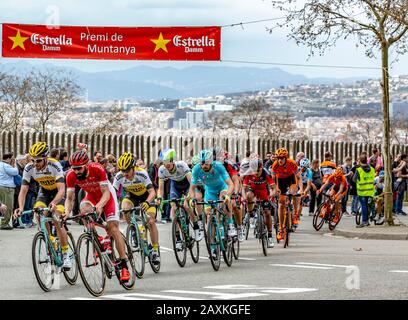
66,262
270,242
252,222
155,257
279,236
232,231
179,246
295,221
124,275
241,234
198,234
336,218
214,254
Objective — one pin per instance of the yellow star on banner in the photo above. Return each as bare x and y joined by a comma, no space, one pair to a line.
160,43
18,40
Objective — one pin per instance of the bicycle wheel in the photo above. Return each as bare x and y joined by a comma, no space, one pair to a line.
43,262
133,238
214,244
319,216
332,224
358,216
235,248
155,267
91,265
194,246
128,285
246,225
179,238
264,238
227,243
275,217
288,228
72,275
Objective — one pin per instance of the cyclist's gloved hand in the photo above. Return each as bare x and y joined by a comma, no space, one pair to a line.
226,197
17,212
145,205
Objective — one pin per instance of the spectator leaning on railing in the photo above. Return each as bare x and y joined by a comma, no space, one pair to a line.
7,187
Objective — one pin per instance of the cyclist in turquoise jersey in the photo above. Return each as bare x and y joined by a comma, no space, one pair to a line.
217,183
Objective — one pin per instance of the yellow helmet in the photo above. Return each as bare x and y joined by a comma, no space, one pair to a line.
126,161
39,149
282,153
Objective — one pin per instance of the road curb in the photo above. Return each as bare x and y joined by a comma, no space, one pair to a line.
371,235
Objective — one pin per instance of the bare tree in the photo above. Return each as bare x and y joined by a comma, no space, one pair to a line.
377,25
399,129
14,96
246,115
273,125
108,122
52,91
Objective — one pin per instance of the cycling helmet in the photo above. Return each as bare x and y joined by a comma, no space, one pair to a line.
169,155
218,153
381,174
206,156
126,161
255,164
304,163
338,172
39,149
282,153
79,158
195,160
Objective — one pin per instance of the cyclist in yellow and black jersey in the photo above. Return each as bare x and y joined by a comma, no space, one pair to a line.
50,176
138,190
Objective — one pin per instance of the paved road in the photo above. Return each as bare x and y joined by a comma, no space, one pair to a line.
315,266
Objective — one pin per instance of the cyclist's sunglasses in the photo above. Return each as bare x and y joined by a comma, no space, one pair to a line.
38,160
77,168
127,170
280,158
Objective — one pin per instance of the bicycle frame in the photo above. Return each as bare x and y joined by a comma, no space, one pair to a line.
43,228
216,216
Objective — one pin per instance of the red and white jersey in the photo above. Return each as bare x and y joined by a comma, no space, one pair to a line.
96,178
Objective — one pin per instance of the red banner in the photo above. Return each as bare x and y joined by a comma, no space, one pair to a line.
116,43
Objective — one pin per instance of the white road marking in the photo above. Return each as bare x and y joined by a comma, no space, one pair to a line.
249,259
141,296
324,264
220,295
262,289
299,266
83,298
204,258
165,249
399,271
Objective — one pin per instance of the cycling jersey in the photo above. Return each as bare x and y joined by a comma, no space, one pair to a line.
337,182
289,168
137,186
95,179
214,180
259,185
306,175
47,178
179,174
230,169
327,168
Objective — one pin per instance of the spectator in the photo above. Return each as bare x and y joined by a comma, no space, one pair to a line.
349,175
140,163
7,187
55,154
317,182
353,190
268,164
21,162
300,155
97,156
154,172
400,170
376,160
364,179
106,165
63,159
268,158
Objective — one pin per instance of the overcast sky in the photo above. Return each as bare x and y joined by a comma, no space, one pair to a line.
252,43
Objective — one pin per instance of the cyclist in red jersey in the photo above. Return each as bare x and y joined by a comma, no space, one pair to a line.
261,186
285,173
100,194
